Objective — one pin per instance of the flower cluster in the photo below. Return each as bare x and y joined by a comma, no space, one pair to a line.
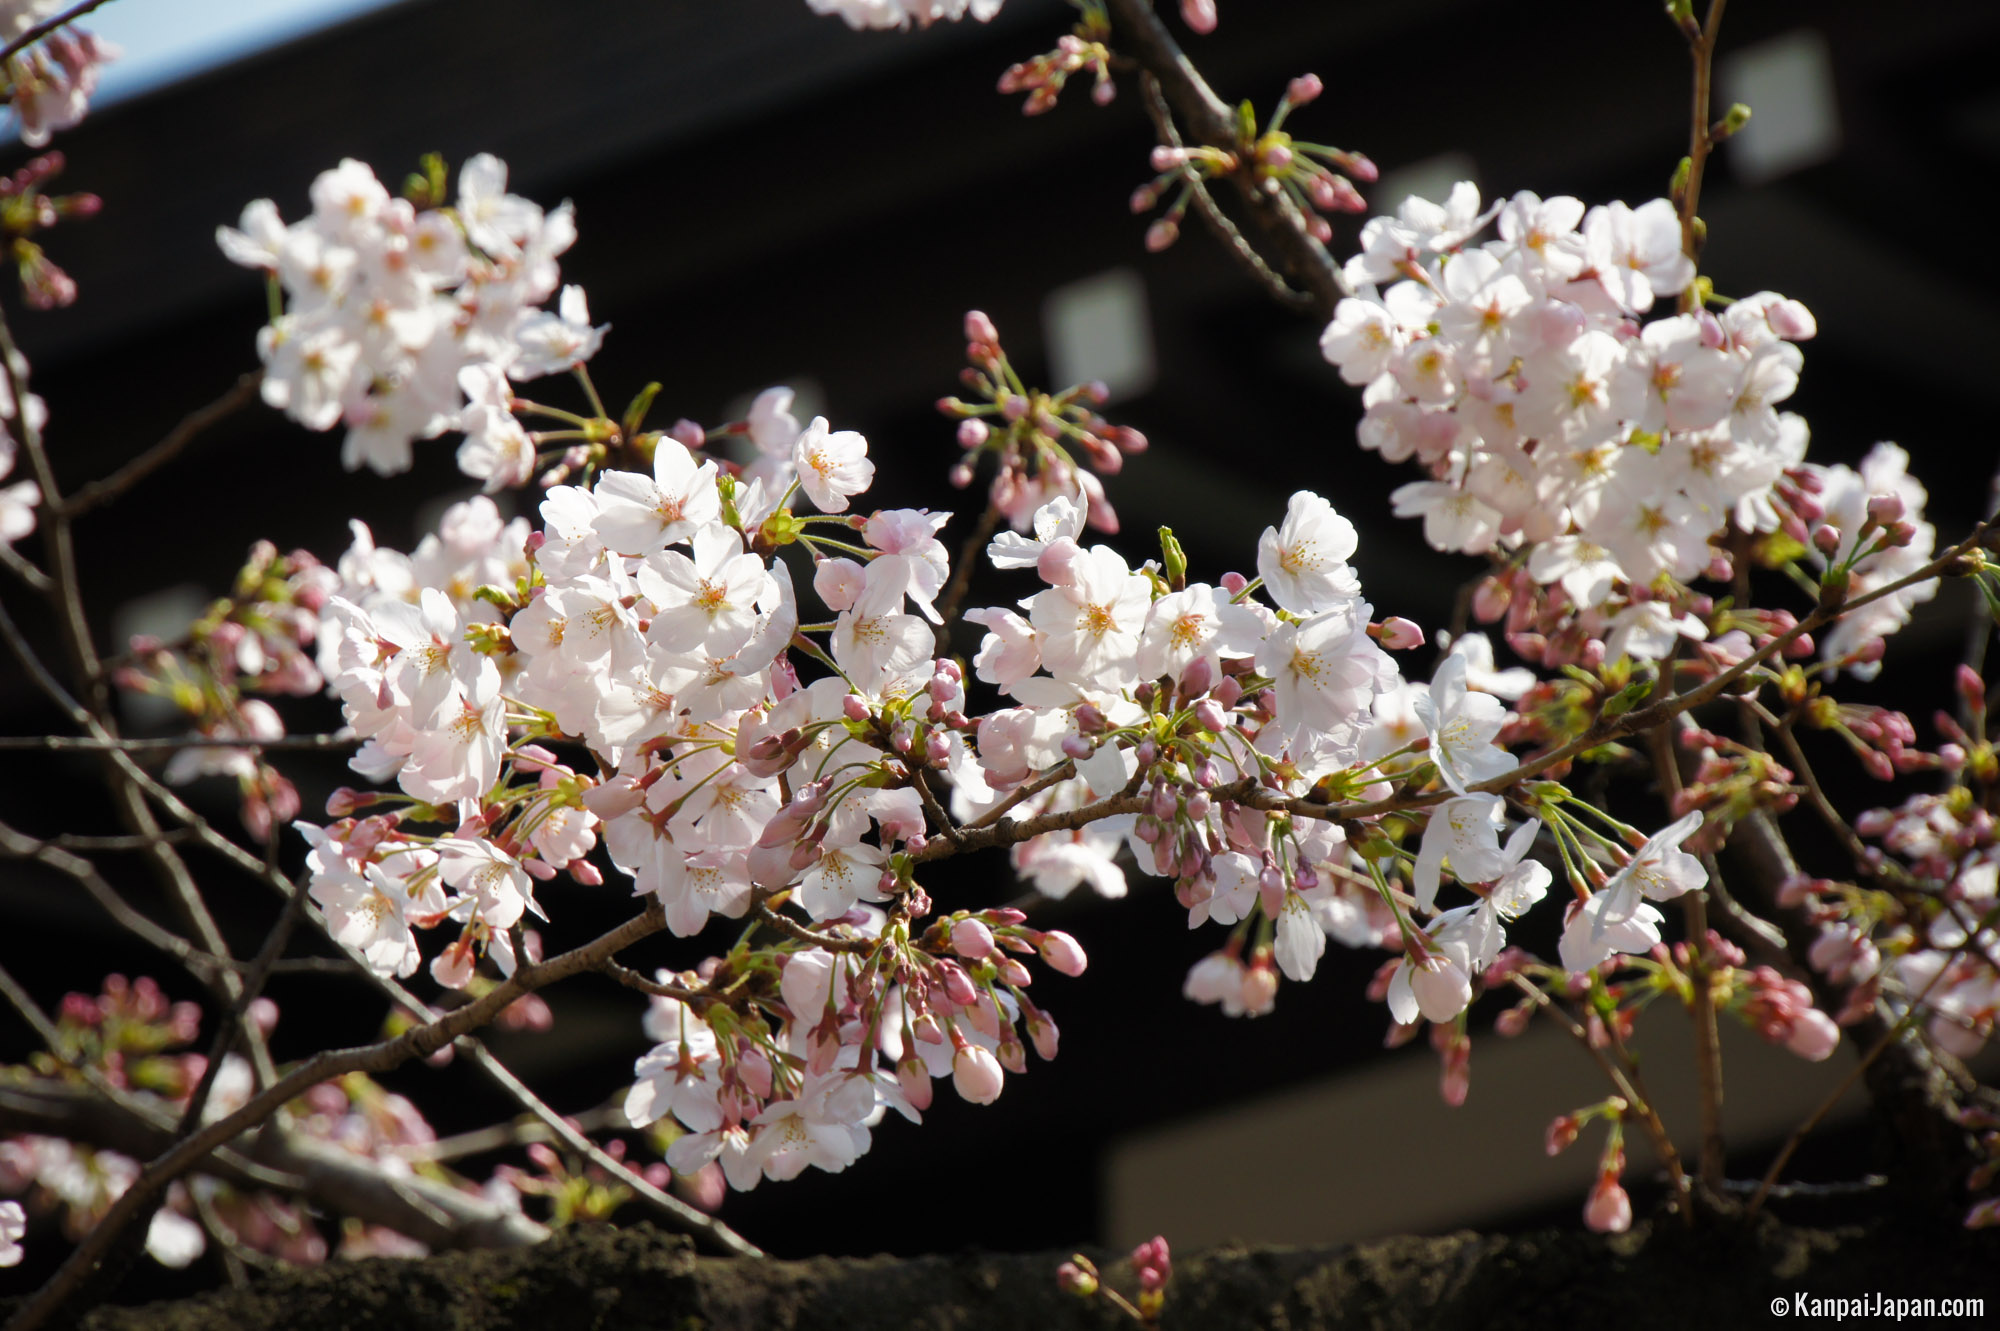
27,207
48,85
1036,438
903,13
256,640
404,318
1553,420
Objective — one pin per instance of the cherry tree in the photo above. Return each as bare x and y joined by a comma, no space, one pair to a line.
711,671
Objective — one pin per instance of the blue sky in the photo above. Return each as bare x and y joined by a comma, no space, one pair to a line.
165,40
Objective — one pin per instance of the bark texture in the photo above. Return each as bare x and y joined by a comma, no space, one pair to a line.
638,1279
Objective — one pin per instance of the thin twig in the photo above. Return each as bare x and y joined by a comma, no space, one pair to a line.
93,713
1274,217
43,29
18,845
1225,230
418,1042
24,570
138,469
1707,1039
1825,1107
1701,139
338,739
1627,1088
791,928
706,1229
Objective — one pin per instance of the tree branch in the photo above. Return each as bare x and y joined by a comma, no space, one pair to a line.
192,425
418,1042
1275,219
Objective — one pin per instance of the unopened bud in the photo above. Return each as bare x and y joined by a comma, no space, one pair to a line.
1199,15
1063,952
1399,634
971,939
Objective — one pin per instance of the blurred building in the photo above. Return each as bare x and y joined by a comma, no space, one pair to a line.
765,197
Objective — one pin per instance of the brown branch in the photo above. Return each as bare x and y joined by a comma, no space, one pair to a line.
1825,1107
1626,1086
1225,230
418,1042
709,1232
93,713
791,928
1701,138
43,29
1707,1039
24,570
425,1209
112,1094
170,447
18,845
1275,219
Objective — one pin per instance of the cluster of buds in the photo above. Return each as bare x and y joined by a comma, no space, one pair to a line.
27,207
1781,1011
1881,739
1731,781
576,1195
48,86
1317,178
1607,1209
1152,1268
1041,441
127,1031
1082,50
258,639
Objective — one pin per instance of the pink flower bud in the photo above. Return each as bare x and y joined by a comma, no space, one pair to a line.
1199,15
1162,234
1561,1134
979,328
1063,952
1305,88
1885,509
976,1074
915,1083
1608,1210
1813,1037
1826,540
971,939
973,433
854,707
958,986
1791,320
1399,634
